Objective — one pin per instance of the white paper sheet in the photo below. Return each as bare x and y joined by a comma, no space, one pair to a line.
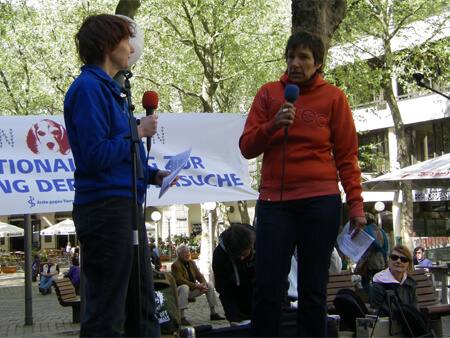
177,163
354,248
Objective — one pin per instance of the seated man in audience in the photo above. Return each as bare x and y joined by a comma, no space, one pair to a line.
49,271
422,261
191,284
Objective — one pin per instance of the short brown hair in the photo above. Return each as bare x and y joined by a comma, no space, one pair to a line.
307,40
406,252
370,218
101,34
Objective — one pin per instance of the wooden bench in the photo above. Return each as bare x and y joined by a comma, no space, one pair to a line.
429,304
67,296
336,283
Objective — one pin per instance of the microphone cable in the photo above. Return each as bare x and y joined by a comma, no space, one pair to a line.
281,228
291,94
286,130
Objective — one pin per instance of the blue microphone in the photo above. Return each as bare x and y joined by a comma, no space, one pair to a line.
291,93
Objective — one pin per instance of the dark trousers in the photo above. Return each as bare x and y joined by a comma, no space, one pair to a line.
105,230
311,224
366,281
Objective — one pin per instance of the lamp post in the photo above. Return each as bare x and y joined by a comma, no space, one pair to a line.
156,217
169,217
210,206
379,206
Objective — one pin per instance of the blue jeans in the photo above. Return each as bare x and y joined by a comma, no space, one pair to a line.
46,282
311,224
105,230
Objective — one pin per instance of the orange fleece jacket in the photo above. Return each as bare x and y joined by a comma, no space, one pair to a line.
322,144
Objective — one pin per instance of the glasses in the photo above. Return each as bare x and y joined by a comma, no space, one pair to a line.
402,259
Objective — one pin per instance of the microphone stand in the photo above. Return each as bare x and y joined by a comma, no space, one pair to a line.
390,298
132,321
419,77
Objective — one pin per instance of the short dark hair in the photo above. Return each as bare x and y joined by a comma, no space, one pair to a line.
307,40
101,34
419,248
237,239
370,218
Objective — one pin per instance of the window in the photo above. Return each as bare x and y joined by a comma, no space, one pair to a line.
373,154
428,140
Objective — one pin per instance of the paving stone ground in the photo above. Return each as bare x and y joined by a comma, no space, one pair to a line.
49,319
52,320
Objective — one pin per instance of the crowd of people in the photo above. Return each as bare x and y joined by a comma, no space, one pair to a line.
309,147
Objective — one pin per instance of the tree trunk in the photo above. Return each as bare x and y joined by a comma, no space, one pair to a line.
407,214
128,7
205,261
243,210
320,17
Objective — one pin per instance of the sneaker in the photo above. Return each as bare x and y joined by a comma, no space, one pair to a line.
184,321
216,316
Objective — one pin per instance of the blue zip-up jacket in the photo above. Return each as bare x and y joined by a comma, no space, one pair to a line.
96,117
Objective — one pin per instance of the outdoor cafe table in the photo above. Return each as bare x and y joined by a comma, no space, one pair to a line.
441,273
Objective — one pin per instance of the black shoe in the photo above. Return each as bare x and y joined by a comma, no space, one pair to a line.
216,316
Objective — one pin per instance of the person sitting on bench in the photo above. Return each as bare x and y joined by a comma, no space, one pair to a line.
186,275
74,274
49,271
394,278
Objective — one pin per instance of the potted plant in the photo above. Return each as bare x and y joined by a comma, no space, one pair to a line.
9,265
194,246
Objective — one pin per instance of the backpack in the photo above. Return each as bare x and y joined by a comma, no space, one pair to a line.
350,306
167,306
412,321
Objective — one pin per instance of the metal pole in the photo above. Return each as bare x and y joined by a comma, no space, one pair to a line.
211,246
156,238
380,221
27,246
169,217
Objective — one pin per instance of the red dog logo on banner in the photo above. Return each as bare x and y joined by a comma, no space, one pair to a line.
47,136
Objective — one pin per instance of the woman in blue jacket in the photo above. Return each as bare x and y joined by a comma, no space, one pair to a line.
97,121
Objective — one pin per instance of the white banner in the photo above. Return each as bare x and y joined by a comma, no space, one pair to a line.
431,195
36,164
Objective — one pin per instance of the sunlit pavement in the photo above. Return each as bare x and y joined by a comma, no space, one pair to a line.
51,319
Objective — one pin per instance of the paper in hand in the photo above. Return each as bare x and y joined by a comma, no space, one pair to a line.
177,163
354,248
